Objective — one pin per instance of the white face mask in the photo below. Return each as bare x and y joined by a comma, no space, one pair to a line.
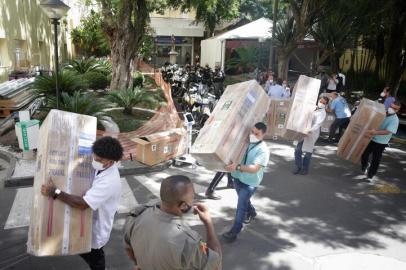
284,85
391,111
382,94
98,166
321,105
271,81
253,138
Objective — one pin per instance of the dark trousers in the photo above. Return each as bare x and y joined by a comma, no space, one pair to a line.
95,259
216,180
302,163
376,149
340,123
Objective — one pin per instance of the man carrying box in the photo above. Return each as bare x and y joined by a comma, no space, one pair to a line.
247,177
307,144
343,113
103,197
380,139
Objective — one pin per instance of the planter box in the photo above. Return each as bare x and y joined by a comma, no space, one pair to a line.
64,153
224,137
369,115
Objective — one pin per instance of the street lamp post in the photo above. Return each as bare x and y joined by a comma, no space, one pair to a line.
55,10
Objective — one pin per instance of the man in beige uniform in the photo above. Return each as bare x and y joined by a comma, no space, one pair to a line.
156,237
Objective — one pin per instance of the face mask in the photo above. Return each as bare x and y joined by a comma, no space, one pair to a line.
284,85
321,105
253,138
271,81
383,94
98,166
391,111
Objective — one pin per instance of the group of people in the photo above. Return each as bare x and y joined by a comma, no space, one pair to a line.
155,234
278,88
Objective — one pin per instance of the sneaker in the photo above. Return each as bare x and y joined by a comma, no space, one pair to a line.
297,170
212,196
229,237
249,218
371,180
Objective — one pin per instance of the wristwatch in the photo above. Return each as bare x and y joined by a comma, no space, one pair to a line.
238,168
57,192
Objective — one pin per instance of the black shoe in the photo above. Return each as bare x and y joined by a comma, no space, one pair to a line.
297,170
249,218
304,172
212,196
229,237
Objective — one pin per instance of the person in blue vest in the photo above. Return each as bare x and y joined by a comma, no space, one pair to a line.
247,176
380,139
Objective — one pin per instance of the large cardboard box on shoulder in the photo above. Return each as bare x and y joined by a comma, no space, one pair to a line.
369,115
65,155
303,103
159,147
276,118
224,137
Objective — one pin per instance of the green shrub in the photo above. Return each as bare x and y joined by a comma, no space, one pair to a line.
79,102
129,98
138,79
96,80
68,82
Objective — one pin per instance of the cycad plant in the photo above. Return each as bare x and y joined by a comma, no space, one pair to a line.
81,103
129,98
68,82
83,66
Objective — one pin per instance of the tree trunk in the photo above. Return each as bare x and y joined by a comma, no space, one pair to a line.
121,55
125,28
283,64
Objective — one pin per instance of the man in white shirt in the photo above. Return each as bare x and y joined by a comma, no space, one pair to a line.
103,197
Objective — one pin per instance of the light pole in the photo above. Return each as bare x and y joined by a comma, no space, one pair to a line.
55,10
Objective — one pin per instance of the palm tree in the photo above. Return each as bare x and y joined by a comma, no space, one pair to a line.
129,98
83,66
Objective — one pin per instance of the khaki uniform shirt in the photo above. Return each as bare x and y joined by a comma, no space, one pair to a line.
161,241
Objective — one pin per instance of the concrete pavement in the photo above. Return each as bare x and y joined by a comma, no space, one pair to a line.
327,220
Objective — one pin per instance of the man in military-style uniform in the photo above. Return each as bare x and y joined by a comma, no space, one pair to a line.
156,237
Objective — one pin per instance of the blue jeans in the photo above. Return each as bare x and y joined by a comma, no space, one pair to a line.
244,205
302,163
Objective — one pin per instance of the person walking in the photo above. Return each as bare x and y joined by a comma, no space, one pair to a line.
103,197
247,176
210,192
343,113
307,144
380,139
157,238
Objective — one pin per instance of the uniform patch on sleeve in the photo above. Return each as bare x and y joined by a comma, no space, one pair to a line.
203,247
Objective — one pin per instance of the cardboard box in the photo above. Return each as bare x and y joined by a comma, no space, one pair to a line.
65,155
276,118
325,126
303,104
369,115
224,137
27,134
159,147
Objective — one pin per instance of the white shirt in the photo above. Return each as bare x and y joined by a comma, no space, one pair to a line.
104,197
332,84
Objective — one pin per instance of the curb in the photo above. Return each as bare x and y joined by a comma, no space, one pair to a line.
28,181
12,161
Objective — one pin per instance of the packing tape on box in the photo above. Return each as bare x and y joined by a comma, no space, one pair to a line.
364,129
24,134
